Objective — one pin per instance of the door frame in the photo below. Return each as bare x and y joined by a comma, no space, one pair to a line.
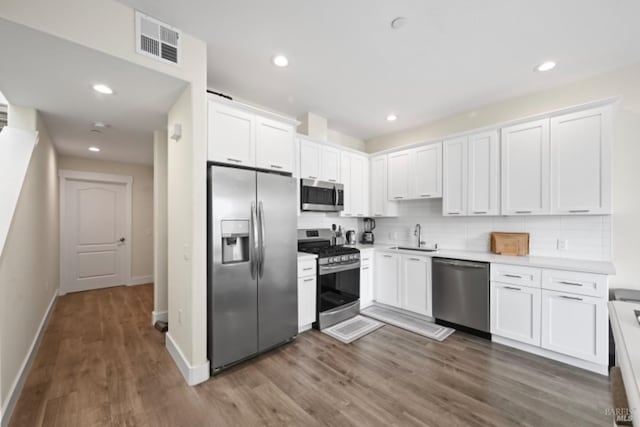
66,175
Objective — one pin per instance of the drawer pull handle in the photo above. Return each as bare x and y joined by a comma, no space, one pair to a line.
514,276
415,259
453,213
579,211
571,298
377,214
310,279
312,177
234,160
276,167
480,212
398,197
332,180
307,269
387,256
523,212
425,195
512,288
365,268
571,283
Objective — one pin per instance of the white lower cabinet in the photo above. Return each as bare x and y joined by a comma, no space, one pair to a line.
307,293
387,286
515,312
575,325
415,284
366,278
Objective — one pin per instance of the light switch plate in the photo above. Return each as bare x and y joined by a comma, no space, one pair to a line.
563,244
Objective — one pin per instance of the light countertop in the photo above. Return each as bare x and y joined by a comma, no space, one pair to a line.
626,332
586,266
304,255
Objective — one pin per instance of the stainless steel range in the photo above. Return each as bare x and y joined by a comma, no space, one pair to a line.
338,293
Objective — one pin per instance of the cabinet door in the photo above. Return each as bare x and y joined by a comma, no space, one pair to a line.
330,164
398,177
386,279
415,282
428,171
310,158
366,285
575,325
346,178
378,191
525,169
274,145
515,313
483,186
231,135
306,301
581,162
359,187
454,197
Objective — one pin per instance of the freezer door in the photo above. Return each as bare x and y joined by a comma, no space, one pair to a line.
277,271
233,305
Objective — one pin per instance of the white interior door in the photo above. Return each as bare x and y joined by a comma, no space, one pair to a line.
94,235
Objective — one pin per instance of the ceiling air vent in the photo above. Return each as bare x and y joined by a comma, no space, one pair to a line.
157,39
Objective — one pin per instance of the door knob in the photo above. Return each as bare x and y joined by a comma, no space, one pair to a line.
122,239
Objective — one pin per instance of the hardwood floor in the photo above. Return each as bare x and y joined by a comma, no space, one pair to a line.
102,363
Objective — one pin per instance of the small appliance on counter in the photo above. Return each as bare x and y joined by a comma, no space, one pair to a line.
351,237
367,237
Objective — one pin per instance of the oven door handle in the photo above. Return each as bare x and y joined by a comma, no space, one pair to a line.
338,268
341,308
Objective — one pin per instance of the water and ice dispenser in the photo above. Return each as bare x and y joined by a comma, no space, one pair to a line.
235,241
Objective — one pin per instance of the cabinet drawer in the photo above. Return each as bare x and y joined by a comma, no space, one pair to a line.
574,282
307,267
366,256
516,275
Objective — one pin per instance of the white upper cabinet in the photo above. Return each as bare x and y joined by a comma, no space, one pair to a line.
525,168
581,162
428,171
242,135
380,204
310,159
231,135
345,179
416,173
483,188
454,200
399,175
330,164
354,176
274,145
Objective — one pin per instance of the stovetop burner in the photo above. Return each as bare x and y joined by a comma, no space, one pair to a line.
325,251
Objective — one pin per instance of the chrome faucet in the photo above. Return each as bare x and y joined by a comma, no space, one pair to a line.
418,233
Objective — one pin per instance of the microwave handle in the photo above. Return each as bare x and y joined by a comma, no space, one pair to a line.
335,196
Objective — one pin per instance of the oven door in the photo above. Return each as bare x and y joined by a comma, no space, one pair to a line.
338,286
321,196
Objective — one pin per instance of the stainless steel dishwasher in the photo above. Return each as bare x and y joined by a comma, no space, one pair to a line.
461,293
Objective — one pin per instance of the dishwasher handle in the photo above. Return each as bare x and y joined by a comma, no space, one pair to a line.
459,263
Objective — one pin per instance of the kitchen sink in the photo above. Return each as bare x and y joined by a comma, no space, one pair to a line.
409,248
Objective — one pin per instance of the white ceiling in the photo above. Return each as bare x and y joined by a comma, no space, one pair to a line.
55,77
452,56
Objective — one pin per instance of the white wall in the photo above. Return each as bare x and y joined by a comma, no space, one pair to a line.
589,237
141,207
29,265
623,82
108,26
160,246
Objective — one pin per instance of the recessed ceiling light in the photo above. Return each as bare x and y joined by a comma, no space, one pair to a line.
546,66
398,22
102,88
100,125
94,149
280,61
392,118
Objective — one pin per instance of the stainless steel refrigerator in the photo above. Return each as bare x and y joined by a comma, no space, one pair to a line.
252,278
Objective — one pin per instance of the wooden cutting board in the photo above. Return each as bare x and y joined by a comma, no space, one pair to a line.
510,243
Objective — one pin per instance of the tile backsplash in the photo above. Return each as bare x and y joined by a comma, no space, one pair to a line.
324,220
587,237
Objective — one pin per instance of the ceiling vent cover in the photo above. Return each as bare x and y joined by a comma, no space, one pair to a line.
157,39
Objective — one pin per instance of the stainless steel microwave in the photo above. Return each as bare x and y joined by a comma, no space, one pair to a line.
321,196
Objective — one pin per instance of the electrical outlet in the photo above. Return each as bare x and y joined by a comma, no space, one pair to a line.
563,244
180,317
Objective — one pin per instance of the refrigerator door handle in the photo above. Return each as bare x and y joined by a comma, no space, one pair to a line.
253,242
261,241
